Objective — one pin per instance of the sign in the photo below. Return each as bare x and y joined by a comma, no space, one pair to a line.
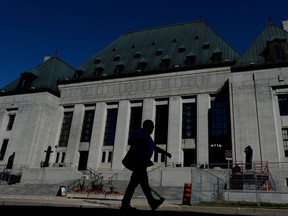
61,191
228,155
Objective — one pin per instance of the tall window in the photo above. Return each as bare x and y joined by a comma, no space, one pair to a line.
135,116
219,127
161,123
218,131
283,104
66,125
110,127
218,119
189,121
87,126
285,140
106,157
60,157
10,122
3,148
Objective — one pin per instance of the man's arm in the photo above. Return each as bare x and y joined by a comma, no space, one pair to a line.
160,150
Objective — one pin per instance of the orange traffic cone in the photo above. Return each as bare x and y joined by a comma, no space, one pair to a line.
267,187
187,194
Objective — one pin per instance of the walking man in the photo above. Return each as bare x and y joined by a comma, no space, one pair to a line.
137,159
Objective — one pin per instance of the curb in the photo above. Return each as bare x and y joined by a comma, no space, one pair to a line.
101,196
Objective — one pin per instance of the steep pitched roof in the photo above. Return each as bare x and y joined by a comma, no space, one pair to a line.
162,49
44,77
257,55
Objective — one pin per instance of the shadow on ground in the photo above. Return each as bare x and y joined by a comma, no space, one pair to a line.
98,211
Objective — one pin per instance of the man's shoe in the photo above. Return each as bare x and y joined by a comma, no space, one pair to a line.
127,208
156,203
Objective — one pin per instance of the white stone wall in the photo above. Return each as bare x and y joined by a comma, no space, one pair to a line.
35,128
257,121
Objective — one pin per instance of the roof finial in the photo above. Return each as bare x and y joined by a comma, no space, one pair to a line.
270,21
56,53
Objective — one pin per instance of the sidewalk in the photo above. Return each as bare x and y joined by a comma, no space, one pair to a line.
169,207
176,205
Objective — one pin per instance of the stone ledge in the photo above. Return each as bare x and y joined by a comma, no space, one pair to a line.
106,196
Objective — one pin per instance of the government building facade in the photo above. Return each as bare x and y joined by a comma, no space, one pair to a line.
208,103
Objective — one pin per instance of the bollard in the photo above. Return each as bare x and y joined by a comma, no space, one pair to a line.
187,194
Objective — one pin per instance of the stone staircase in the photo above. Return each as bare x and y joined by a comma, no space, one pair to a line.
120,186
169,192
117,181
29,189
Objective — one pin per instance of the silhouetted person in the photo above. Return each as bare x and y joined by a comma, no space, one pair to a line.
236,180
47,157
137,160
10,161
249,153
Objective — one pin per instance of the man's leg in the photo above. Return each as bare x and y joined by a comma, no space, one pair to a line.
133,183
144,182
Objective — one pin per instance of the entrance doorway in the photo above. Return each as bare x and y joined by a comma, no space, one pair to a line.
189,157
83,160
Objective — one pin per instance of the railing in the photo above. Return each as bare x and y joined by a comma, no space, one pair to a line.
91,180
206,185
156,167
11,176
63,165
110,179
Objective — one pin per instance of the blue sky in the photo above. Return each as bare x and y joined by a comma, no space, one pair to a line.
77,29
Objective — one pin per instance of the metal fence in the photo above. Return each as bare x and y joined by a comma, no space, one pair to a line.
207,184
215,182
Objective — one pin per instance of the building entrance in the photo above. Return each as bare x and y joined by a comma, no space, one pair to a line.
83,160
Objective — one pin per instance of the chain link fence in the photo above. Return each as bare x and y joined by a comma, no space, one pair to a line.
257,181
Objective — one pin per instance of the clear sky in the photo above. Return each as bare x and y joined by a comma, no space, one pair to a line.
77,29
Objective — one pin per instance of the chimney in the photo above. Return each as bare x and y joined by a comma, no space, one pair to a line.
285,25
46,58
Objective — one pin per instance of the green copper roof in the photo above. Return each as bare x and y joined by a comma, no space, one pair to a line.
257,55
171,43
44,77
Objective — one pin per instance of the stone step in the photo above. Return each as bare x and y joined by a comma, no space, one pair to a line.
30,189
169,192
119,186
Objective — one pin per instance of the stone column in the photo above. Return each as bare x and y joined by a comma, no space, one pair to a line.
72,153
149,110
121,136
174,130
203,105
3,123
97,136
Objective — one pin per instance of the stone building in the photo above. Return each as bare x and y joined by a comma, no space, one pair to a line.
205,99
